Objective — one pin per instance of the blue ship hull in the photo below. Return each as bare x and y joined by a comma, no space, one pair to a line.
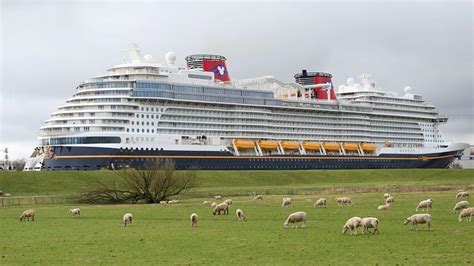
85,158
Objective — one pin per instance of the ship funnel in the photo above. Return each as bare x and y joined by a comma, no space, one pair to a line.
209,63
313,79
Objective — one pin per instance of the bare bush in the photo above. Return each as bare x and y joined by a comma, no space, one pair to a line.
157,182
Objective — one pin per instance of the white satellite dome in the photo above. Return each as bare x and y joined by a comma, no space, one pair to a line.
170,58
350,81
148,57
407,89
341,88
357,87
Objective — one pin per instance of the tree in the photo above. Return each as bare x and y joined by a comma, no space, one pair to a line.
157,182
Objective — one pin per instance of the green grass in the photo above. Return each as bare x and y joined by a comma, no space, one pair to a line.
163,235
242,182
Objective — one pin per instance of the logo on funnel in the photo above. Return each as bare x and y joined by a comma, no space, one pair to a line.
219,71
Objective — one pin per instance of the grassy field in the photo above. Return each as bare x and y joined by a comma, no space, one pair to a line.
163,235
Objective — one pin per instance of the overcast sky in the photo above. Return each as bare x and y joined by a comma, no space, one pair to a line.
48,47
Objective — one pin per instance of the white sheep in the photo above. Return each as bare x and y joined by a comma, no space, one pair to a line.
75,211
175,201
218,197
127,219
240,215
386,195
424,205
420,218
163,202
26,215
383,207
344,201
206,202
352,224
460,205
389,200
286,202
462,194
228,201
466,213
258,197
320,202
369,222
8,195
221,207
213,204
296,217
194,219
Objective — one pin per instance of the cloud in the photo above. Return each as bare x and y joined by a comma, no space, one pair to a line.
48,48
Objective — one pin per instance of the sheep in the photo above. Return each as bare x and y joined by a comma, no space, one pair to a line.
240,215
213,204
383,207
352,224
320,202
386,196
218,197
420,218
466,213
8,195
286,202
206,202
173,201
127,219
221,207
75,211
163,202
424,205
461,205
295,218
258,197
194,219
369,222
389,200
26,215
344,201
462,194
228,201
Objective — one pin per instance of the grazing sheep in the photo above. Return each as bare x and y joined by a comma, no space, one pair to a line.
175,201
424,205
320,202
295,217
213,204
228,201
420,218
194,219
466,213
344,201
206,202
389,200
221,207
75,211
369,222
8,195
164,202
26,215
258,197
286,202
240,215
127,219
352,224
386,196
462,194
383,207
460,205
218,197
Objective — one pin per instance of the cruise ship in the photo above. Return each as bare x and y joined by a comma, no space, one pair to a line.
143,111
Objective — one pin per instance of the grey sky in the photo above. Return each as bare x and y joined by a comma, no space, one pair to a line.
47,48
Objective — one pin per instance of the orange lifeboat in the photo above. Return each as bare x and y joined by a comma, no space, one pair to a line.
244,144
268,144
290,145
331,146
350,146
311,146
368,147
